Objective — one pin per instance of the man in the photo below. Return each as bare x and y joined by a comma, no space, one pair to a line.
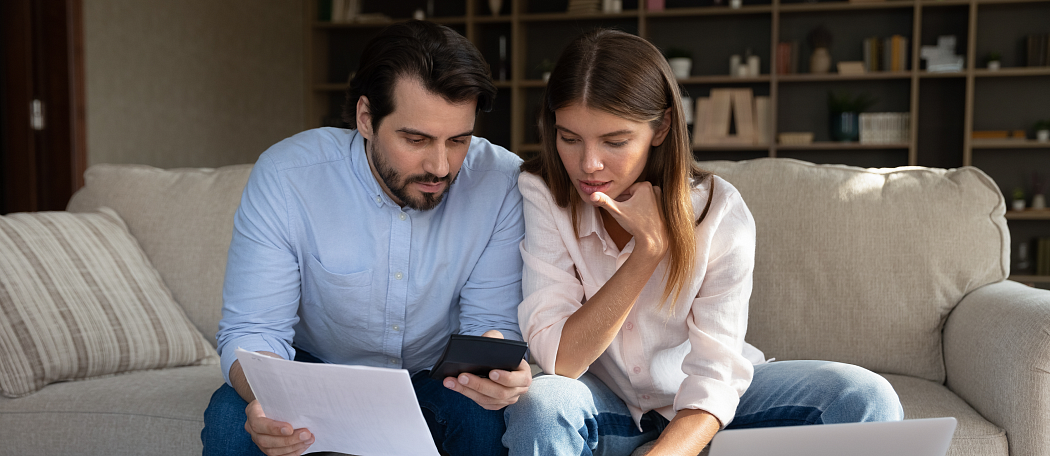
371,246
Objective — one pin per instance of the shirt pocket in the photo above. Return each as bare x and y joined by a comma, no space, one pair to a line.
345,298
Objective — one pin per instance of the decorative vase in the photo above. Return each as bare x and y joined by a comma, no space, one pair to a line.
844,126
820,61
1042,135
681,67
993,65
495,6
1039,201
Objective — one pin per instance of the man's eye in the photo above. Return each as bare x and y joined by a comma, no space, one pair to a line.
460,141
415,140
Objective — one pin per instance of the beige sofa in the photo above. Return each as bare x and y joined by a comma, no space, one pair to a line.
901,271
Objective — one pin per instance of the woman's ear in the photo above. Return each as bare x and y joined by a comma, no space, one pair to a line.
364,118
662,129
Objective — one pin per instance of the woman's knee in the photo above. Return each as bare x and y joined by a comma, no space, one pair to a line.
862,395
553,395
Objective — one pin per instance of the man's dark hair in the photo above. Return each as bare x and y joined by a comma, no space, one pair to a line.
444,61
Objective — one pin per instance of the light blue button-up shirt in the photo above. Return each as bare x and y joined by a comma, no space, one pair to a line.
321,256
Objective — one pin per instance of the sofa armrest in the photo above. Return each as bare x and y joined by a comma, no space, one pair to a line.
997,358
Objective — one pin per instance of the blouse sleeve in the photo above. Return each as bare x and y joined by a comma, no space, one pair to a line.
551,289
717,373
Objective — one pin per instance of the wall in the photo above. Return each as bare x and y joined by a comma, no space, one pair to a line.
191,83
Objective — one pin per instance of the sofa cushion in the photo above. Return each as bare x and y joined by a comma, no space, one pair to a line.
863,265
79,299
973,433
182,218
144,412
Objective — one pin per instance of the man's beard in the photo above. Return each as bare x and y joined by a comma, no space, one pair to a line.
399,187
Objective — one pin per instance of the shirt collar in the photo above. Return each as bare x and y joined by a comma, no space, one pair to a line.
591,224
359,166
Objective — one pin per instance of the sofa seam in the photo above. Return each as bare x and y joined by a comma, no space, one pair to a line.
188,420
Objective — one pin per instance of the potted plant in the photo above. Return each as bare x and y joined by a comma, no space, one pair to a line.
1042,130
1018,199
545,67
681,61
820,41
993,60
844,114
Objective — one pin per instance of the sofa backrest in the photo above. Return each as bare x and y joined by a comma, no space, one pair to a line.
182,218
863,265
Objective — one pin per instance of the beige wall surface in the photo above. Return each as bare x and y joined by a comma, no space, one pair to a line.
191,83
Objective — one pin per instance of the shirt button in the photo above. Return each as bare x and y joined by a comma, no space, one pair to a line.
398,276
379,199
403,216
645,396
637,370
630,326
397,328
393,361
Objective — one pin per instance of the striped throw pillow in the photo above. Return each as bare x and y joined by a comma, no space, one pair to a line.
80,299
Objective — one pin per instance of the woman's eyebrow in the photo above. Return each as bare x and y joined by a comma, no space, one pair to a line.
606,135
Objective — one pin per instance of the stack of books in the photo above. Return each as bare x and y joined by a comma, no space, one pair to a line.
787,57
885,127
886,54
1038,46
584,6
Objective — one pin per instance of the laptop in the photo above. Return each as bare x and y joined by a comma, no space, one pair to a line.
923,437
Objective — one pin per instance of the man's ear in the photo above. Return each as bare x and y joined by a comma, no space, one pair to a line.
364,118
661,131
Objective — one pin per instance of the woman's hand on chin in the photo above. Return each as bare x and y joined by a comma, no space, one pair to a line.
638,211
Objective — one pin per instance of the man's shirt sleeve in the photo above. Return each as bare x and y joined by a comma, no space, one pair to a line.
261,289
490,298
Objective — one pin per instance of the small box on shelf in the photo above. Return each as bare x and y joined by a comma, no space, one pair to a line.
795,138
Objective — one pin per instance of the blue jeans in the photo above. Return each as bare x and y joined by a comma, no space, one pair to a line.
563,416
459,425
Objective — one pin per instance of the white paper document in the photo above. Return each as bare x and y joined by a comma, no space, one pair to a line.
350,409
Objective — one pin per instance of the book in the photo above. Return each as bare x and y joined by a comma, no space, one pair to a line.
654,5
763,121
783,58
1042,257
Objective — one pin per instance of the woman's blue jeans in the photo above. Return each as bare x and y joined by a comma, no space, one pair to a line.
459,425
563,416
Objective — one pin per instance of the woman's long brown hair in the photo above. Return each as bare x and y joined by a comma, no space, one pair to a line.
626,76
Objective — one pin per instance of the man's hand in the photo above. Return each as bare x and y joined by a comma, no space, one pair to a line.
501,389
275,438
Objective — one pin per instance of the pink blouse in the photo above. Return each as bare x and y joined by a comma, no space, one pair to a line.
694,359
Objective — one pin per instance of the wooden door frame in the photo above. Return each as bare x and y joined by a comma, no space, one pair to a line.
43,58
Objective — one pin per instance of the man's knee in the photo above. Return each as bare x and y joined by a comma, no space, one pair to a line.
224,419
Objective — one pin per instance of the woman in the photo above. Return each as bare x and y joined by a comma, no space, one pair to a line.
637,277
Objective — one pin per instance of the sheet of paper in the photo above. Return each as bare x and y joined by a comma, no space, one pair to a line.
350,409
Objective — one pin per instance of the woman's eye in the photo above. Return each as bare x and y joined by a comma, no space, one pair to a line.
618,143
568,140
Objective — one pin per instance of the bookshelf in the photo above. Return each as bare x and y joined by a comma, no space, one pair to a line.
945,108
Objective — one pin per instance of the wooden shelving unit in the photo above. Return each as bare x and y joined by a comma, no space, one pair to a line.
945,107
768,21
